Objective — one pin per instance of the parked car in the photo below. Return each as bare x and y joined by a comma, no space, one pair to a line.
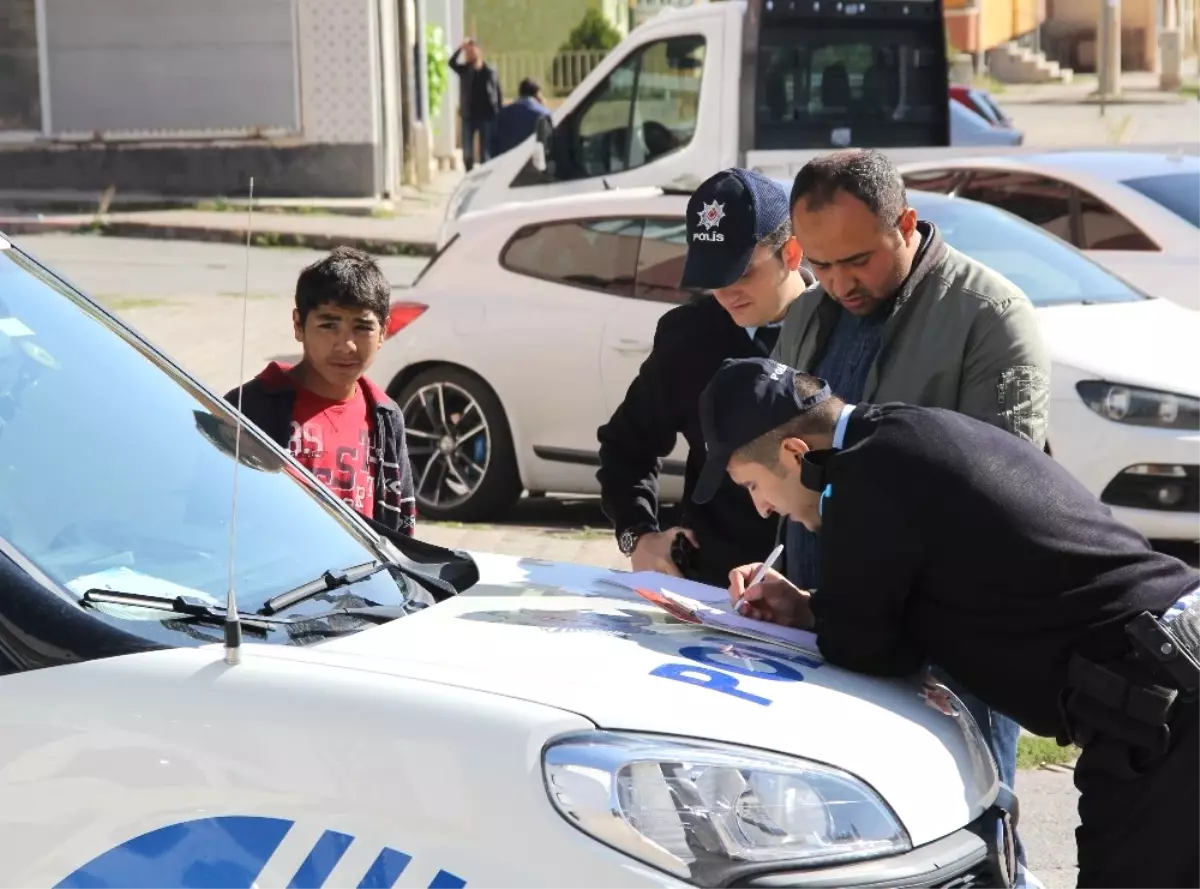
1135,212
982,103
969,127
536,729
504,387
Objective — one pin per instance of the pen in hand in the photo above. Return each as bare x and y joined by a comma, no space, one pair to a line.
759,575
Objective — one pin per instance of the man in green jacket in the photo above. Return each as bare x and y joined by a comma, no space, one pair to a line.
897,315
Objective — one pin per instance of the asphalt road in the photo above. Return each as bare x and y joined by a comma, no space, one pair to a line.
162,285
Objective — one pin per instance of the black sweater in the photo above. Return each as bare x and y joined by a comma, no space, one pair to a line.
947,540
662,402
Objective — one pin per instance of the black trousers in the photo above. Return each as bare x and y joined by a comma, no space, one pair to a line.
1142,830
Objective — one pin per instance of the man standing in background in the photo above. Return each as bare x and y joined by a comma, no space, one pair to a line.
479,101
518,120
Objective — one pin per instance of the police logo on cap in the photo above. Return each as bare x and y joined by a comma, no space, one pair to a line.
710,217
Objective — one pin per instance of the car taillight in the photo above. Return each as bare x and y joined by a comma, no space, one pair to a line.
402,314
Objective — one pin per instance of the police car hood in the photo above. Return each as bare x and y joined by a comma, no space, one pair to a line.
546,632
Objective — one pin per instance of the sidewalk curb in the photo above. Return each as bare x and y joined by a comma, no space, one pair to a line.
264,237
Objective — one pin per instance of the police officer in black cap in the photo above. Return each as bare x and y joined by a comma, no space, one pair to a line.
946,540
740,249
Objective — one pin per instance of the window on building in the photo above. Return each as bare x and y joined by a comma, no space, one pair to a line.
594,254
1038,199
1103,228
660,261
20,91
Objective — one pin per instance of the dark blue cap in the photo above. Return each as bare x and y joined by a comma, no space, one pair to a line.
747,398
727,216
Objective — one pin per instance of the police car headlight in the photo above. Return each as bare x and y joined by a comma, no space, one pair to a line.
705,812
1140,407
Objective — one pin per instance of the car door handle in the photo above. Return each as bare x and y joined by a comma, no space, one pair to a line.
632,347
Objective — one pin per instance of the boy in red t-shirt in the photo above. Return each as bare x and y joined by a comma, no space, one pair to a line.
340,425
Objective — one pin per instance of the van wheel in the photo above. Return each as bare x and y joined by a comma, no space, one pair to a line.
460,447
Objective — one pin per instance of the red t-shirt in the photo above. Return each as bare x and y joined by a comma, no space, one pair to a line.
333,441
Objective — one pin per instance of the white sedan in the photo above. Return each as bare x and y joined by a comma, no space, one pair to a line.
520,339
1135,212
538,725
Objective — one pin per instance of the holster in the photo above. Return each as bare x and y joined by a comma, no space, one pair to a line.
1120,711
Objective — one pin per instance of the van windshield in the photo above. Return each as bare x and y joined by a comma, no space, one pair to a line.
872,81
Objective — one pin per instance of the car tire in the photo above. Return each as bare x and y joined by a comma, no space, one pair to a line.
474,474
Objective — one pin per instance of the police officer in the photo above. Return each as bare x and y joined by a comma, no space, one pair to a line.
739,247
947,540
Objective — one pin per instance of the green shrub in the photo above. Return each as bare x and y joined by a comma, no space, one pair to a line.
594,31
437,67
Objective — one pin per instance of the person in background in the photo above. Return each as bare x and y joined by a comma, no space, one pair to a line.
479,101
739,248
901,316
517,120
338,424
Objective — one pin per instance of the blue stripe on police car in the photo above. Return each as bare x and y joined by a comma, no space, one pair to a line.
230,852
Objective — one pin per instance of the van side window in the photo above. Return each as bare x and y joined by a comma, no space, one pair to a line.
660,261
646,108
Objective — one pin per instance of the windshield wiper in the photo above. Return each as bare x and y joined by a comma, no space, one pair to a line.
330,580
189,606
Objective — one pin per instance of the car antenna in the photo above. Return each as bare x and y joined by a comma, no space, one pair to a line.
233,623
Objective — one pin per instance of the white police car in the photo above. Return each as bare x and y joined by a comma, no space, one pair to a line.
530,731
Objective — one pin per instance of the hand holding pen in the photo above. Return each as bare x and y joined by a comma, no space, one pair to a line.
760,592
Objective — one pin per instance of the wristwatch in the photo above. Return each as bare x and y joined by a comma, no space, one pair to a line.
627,539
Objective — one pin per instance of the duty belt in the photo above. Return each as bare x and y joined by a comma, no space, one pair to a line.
1132,700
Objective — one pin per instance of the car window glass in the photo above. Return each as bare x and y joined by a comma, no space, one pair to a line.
836,85
125,477
939,181
1046,269
597,254
647,107
1044,202
660,261
1103,228
1178,192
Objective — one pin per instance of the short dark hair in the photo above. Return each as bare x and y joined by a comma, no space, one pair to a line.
820,420
776,238
348,278
529,88
862,173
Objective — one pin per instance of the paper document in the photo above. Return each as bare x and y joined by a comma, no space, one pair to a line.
693,611
678,586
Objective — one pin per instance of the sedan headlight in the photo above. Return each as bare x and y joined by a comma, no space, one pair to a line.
1140,407
703,811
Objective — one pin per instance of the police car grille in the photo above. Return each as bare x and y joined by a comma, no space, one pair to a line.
977,877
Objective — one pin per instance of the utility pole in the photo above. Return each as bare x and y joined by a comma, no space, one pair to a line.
1108,51
1170,49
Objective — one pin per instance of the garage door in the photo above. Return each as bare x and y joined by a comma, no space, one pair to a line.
171,65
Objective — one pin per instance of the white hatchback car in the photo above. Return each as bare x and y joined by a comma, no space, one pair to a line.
538,725
519,340
1135,212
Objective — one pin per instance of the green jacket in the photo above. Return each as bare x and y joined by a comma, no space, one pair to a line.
960,337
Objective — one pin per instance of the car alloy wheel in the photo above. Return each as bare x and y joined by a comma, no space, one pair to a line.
449,444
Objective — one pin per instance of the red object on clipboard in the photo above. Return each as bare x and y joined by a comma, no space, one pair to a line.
669,605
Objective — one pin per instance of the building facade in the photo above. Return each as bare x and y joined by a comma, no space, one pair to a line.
193,98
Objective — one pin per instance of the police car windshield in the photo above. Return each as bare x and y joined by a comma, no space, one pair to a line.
117,472
1050,271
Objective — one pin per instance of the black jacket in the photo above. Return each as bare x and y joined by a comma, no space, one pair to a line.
269,400
663,402
479,96
948,540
